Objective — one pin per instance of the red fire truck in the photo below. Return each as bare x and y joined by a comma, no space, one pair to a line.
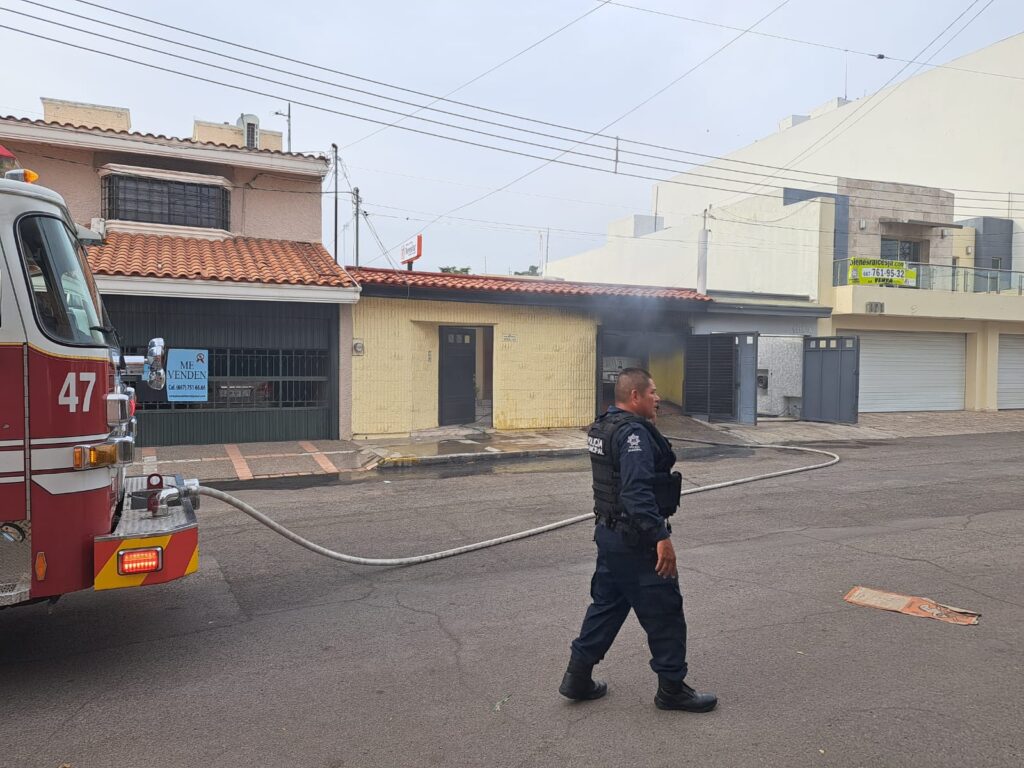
69,517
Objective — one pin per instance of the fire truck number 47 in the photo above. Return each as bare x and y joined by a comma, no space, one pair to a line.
69,392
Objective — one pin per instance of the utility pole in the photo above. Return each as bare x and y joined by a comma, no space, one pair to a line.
334,149
355,202
547,250
288,116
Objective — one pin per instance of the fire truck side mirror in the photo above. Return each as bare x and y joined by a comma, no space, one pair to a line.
155,362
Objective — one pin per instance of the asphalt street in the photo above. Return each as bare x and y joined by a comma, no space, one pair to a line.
271,656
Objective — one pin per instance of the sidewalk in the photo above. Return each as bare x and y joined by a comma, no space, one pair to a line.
254,461
461,445
877,426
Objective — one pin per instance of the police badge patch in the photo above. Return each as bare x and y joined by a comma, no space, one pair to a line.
633,443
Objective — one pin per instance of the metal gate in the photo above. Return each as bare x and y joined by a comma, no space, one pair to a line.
273,368
831,379
720,381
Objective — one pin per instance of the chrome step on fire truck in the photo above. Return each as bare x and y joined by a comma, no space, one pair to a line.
69,517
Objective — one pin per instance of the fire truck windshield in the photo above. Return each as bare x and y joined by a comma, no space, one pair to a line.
67,304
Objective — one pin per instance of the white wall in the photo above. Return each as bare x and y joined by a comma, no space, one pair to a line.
943,128
744,255
781,326
783,359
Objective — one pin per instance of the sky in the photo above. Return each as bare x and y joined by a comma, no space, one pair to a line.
600,61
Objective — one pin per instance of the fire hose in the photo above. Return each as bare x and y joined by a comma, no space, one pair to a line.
169,495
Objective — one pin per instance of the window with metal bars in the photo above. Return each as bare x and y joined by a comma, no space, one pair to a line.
254,379
159,201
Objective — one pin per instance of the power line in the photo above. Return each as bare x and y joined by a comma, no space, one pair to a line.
487,72
382,83
488,134
817,142
435,100
887,94
557,159
662,239
816,44
690,172
546,160
618,119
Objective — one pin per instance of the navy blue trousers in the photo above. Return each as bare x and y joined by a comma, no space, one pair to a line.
625,579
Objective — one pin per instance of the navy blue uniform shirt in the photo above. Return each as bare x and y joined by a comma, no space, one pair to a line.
636,453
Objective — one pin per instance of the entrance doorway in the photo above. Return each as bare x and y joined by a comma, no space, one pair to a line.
457,372
721,377
660,352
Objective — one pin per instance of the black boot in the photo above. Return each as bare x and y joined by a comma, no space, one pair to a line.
675,694
577,683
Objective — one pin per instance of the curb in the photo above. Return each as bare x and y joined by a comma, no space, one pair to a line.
401,462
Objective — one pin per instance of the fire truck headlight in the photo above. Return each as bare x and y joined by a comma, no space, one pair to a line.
119,409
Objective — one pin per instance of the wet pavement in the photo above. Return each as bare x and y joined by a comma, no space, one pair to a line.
334,458
328,460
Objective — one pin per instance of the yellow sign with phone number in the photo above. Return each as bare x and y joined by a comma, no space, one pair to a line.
881,272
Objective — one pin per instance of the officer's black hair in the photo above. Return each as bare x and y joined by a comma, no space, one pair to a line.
630,379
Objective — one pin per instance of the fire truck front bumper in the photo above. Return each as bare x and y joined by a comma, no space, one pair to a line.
150,545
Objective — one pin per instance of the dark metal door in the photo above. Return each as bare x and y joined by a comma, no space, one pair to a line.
457,364
831,379
710,363
746,378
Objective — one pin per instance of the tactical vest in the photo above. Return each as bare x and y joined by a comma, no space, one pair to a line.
604,462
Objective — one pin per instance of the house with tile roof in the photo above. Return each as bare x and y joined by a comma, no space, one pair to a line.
435,349
212,242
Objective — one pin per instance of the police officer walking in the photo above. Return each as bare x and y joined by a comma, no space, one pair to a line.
635,491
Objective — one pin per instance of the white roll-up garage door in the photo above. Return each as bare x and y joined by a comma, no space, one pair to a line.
912,371
1011,371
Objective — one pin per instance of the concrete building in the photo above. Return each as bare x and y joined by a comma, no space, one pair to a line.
792,210
949,336
213,243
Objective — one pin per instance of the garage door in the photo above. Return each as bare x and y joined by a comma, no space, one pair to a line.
273,368
912,371
1011,371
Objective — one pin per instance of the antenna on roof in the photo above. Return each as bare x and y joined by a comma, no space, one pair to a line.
288,117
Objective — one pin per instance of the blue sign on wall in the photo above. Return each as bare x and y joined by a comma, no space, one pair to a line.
187,375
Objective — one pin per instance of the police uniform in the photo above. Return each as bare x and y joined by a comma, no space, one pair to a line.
635,491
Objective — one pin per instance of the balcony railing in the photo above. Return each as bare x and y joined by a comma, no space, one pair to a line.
929,277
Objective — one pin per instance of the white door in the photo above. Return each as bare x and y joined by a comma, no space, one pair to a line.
1011,371
912,371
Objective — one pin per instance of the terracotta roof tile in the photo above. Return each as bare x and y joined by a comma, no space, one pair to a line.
487,283
157,137
237,259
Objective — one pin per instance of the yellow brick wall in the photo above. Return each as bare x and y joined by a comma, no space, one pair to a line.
544,364
666,369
